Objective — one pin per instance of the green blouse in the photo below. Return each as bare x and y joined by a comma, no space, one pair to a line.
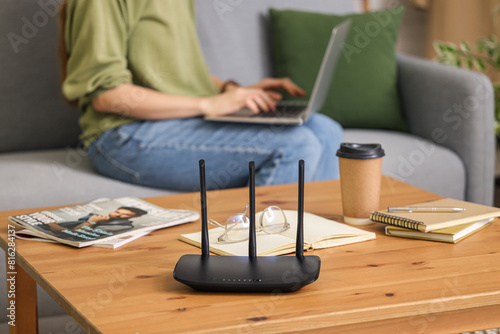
150,43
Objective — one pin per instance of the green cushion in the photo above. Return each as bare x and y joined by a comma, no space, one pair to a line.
363,93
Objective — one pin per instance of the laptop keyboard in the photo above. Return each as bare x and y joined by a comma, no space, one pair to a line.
285,109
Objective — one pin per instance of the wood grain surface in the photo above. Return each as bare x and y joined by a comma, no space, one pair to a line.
387,285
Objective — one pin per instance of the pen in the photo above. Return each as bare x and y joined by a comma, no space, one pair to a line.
424,209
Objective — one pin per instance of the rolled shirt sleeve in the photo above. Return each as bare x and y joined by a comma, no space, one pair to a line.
96,40
149,43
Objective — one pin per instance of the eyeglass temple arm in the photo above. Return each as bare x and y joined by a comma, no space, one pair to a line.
252,253
216,223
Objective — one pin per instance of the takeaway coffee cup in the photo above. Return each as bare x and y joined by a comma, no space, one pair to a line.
360,177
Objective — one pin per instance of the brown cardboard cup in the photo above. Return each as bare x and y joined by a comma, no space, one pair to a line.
360,178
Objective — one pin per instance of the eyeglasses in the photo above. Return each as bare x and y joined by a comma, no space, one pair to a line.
271,221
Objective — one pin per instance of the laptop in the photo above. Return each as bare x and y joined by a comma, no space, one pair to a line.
297,112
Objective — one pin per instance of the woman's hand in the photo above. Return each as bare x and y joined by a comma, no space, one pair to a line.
255,99
261,96
272,84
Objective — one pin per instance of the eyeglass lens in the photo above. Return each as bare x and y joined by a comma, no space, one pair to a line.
273,220
236,228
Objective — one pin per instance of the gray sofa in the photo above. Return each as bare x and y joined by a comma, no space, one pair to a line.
449,149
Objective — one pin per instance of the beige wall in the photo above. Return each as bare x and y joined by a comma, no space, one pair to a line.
457,20
412,33
448,20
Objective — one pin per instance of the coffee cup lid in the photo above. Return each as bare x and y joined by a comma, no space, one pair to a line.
360,151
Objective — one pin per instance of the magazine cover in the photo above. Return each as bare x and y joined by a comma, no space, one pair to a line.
98,222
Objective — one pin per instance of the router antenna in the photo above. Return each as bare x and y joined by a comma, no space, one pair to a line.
252,247
299,243
205,246
250,273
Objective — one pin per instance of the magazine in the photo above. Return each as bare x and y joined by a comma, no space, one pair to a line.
103,222
25,234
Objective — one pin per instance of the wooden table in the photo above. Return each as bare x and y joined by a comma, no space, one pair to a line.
387,285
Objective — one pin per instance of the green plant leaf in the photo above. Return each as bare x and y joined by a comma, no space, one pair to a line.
453,60
496,87
452,48
495,57
464,46
480,65
469,62
442,60
497,116
438,47
481,45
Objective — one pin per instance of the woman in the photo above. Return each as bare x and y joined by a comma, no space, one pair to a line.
141,82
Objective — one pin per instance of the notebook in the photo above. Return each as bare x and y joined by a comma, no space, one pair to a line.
451,234
319,233
431,221
297,112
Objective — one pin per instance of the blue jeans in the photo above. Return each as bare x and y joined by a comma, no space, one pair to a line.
165,154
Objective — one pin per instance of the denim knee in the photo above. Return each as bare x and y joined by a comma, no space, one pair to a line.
302,143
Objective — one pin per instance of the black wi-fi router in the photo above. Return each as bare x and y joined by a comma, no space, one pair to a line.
248,273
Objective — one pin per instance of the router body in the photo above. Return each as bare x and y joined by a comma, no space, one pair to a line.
243,274
248,273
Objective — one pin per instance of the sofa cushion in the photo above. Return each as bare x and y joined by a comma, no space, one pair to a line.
58,177
363,93
416,161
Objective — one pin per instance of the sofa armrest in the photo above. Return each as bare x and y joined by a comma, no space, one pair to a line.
454,108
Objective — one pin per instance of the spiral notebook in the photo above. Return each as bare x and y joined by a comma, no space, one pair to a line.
451,234
431,221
